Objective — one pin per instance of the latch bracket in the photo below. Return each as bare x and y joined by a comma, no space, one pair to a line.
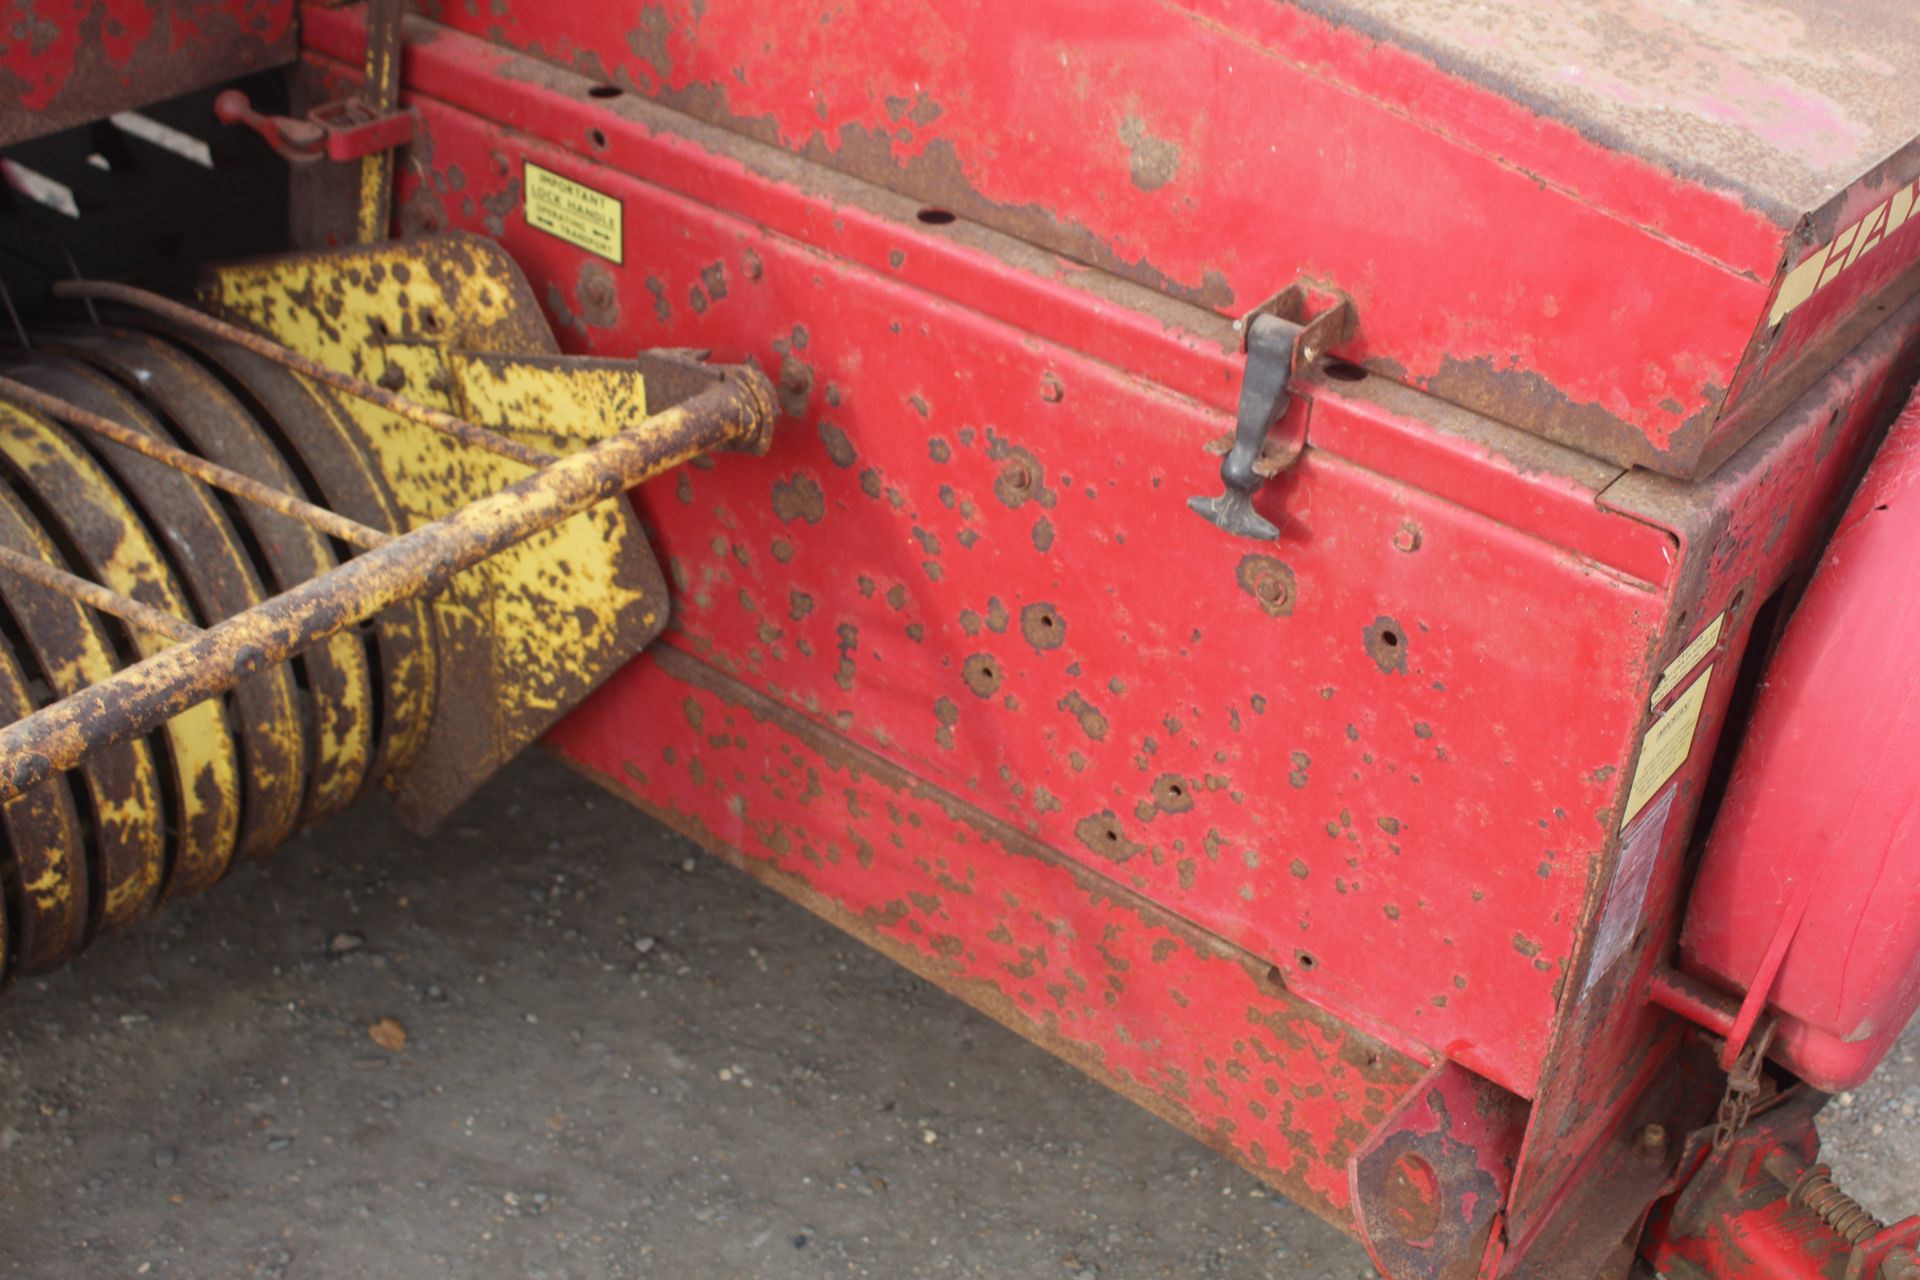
1280,339
344,130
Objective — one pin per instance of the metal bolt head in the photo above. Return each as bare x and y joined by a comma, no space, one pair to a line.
1272,590
1653,1138
1050,389
1019,477
1407,537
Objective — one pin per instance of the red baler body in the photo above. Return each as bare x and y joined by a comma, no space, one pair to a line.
1362,849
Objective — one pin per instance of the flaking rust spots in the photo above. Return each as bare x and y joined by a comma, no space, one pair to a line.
848,636
1269,581
1021,478
662,309
1297,776
1041,624
1151,162
1092,723
1043,535
1386,642
1172,793
1103,835
799,498
982,673
598,295
947,712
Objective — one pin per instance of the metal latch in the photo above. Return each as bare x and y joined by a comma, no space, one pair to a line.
343,130
1279,340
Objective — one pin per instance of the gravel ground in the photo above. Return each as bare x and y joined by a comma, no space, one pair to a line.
620,1060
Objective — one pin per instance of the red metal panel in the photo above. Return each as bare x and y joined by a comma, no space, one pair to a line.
1085,661
66,62
1188,1026
1556,271
1825,796
1208,161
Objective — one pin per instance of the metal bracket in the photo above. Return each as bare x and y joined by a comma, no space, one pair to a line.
1279,340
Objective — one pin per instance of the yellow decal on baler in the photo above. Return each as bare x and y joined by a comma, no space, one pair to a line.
577,214
1697,648
1826,264
1667,745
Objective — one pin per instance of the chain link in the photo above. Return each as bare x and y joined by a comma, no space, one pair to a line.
1745,1083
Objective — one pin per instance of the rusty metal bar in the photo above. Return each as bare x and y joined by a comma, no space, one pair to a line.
92,594
736,413
212,473
381,92
200,322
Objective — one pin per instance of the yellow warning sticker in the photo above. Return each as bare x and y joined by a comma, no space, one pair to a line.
577,214
1699,647
1667,745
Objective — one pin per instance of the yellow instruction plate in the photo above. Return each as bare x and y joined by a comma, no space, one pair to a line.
576,213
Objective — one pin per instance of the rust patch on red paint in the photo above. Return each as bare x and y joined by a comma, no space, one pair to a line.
799,498
1102,834
1268,581
1043,626
983,674
1386,642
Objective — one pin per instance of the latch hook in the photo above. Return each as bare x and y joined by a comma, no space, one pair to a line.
1279,341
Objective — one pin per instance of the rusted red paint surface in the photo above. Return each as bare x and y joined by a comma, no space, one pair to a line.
66,62
1387,755
1545,261
1187,1025
1035,622
1430,1183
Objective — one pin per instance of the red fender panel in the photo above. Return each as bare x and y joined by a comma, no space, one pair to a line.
1825,797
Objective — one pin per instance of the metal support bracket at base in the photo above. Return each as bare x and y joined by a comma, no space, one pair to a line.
1279,340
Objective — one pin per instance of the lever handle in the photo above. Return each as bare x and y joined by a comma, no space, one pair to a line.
1263,398
297,140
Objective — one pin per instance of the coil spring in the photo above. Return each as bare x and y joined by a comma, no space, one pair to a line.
1849,1220
101,847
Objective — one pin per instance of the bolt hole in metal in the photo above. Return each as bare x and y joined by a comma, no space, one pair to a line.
605,91
935,217
1391,639
598,137
1306,960
1344,371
